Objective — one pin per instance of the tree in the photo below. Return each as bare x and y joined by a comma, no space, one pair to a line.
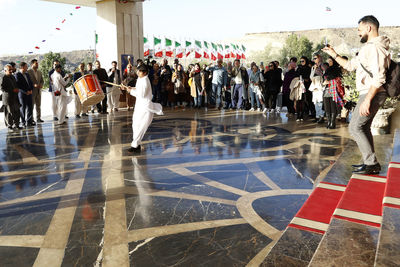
264,56
46,64
296,46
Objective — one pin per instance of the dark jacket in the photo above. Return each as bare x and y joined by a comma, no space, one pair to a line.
289,76
244,74
112,74
7,87
102,75
304,72
22,83
273,81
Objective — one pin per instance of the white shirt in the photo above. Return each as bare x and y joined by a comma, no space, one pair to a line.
143,95
59,83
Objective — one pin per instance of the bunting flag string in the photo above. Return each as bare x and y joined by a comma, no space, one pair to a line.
57,29
180,48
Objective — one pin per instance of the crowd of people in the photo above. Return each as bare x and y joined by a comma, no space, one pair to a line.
310,89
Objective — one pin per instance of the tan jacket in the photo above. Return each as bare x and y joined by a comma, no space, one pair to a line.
39,82
193,86
375,57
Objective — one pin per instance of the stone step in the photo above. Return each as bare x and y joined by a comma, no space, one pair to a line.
302,236
352,236
388,252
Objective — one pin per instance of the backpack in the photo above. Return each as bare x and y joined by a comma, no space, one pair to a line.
392,84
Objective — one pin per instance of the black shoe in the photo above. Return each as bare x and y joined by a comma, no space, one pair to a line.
134,149
77,116
55,119
66,116
370,169
39,120
10,127
360,168
32,123
357,165
84,115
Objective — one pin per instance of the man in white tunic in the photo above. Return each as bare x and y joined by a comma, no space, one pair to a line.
144,108
59,84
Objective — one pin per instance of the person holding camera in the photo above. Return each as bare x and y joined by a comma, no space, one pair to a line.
370,65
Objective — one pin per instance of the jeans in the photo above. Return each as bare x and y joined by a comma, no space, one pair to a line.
253,96
360,127
216,94
237,94
318,110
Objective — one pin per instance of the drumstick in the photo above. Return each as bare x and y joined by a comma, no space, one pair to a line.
113,84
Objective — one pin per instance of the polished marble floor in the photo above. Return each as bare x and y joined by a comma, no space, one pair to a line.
210,188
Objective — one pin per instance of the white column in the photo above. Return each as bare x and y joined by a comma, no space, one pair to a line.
120,31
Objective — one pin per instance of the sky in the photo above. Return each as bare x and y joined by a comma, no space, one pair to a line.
26,23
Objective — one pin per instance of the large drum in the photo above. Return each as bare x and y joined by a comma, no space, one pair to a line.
89,90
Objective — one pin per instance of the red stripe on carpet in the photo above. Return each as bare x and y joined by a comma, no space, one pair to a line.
363,196
391,205
306,228
342,185
320,205
357,221
393,183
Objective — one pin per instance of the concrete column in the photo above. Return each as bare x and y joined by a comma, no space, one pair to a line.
120,30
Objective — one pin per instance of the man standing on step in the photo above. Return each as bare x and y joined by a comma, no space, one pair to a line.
370,65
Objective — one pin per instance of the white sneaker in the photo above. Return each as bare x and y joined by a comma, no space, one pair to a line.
265,110
272,110
252,109
298,120
259,109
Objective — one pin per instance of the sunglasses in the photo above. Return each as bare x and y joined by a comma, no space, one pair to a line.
302,61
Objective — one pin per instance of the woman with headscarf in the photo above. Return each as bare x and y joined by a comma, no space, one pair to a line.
197,89
255,79
332,99
273,83
289,76
179,81
306,106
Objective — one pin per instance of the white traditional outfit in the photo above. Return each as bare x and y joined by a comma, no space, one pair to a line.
59,84
144,109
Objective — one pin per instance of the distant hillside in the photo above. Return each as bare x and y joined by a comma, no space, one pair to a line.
74,58
344,40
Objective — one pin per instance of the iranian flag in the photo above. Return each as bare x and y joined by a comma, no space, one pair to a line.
243,52
214,51
197,49
233,51
146,47
157,47
238,52
169,52
206,50
220,52
178,50
227,51
188,48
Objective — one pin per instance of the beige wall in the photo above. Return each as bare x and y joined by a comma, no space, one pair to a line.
120,31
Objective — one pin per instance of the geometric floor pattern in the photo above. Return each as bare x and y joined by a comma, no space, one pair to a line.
211,188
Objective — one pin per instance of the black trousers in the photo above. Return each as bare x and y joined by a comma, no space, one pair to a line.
11,115
102,106
330,107
26,108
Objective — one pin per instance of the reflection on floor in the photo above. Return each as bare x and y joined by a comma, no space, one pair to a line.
209,189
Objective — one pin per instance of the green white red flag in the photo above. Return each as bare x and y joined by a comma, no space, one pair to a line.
220,52
146,47
168,48
197,49
214,49
157,47
243,52
188,48
227,51
206,51
179,50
